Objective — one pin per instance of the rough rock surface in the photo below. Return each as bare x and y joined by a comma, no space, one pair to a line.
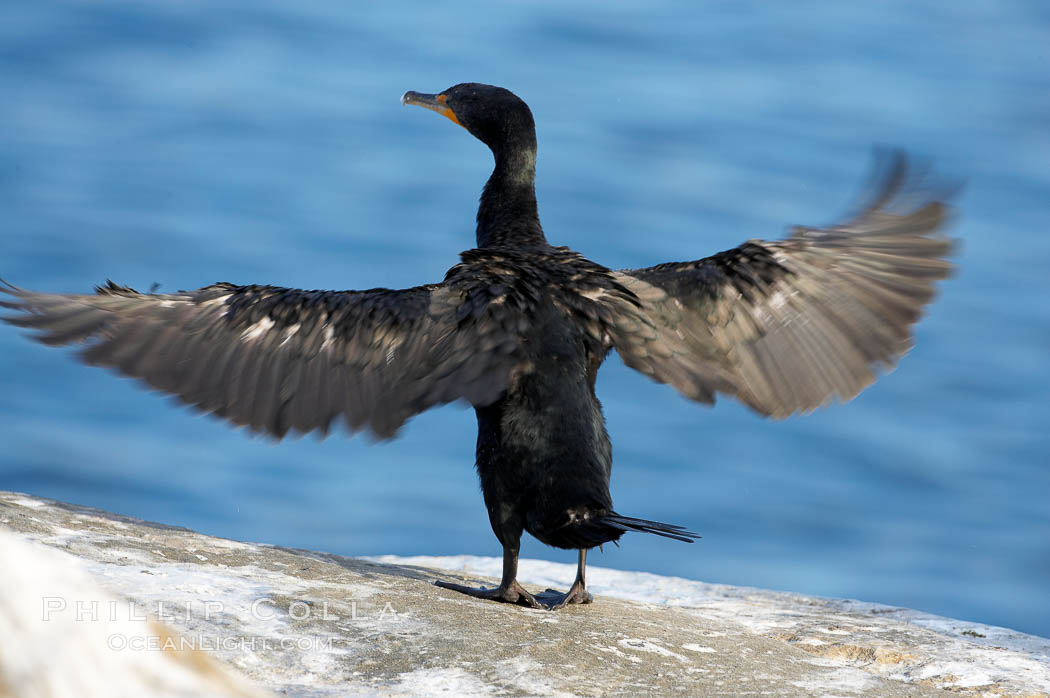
312,624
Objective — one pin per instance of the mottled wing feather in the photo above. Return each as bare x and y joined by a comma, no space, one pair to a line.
278,359
788,326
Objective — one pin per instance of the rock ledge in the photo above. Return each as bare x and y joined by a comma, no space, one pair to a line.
313,624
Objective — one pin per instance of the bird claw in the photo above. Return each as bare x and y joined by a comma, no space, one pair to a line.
512,593
552,599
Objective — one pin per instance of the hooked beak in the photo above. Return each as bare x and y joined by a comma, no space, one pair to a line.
432,102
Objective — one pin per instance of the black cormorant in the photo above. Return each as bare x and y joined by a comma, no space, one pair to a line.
519,328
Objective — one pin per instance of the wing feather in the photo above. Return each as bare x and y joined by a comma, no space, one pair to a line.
276,359
788,326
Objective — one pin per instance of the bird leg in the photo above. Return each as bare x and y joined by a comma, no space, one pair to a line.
508,591
577,593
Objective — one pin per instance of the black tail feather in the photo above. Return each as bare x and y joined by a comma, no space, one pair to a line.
629,523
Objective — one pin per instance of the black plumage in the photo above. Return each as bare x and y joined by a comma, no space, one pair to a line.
519,328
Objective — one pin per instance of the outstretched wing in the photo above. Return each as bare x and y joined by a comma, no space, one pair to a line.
787,326
277,359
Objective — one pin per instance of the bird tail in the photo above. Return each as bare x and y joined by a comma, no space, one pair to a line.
629,523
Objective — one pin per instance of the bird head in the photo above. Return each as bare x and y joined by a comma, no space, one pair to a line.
494,115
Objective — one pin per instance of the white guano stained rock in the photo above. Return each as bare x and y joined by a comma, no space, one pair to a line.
255,618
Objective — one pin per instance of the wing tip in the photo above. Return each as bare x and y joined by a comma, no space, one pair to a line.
899,183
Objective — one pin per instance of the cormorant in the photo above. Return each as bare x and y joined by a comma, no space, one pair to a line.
519,328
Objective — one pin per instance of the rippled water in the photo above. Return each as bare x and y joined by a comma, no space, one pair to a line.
185,143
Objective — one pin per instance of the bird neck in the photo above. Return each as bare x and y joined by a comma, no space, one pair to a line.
508,213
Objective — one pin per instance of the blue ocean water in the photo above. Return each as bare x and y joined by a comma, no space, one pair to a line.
185,143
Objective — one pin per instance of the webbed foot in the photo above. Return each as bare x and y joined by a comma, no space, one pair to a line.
553,599
506,593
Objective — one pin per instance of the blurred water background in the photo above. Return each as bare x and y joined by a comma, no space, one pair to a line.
185,143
